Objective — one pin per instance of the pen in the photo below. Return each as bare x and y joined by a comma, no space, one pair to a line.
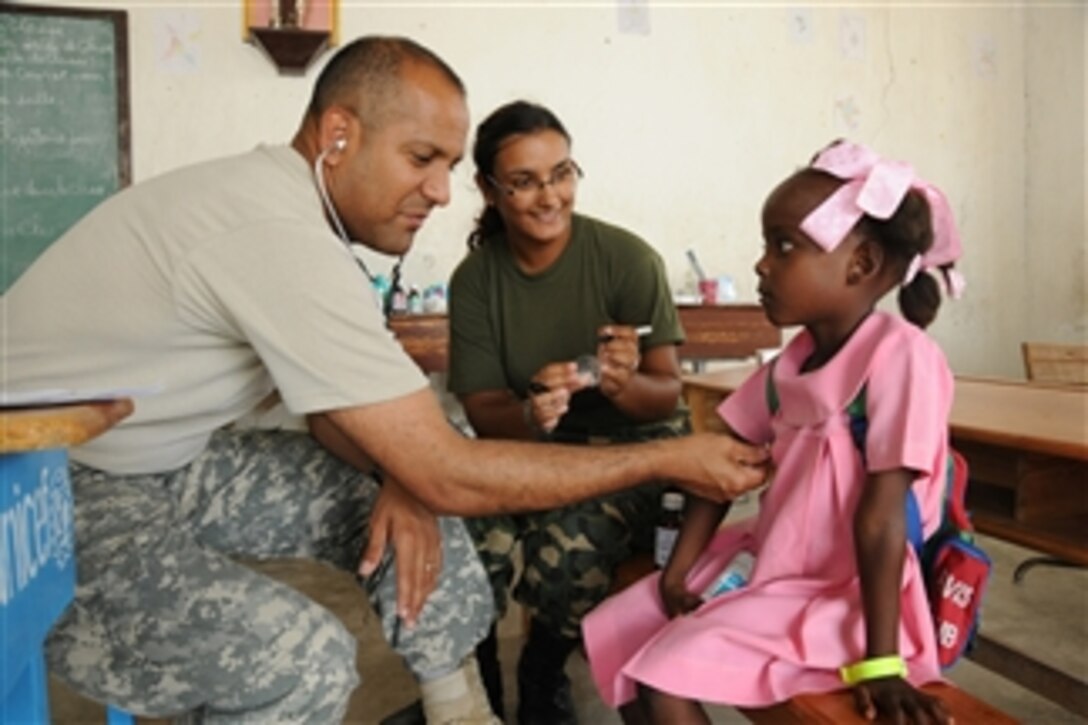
641,331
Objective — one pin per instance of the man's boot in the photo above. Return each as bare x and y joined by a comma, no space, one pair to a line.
457,698
544,696
487,657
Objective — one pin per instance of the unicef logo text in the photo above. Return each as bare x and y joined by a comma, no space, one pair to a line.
35,527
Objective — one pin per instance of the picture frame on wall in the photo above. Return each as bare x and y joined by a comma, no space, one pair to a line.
303,14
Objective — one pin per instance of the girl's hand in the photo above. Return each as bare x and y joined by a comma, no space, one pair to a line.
894,699
549,394
674,593
619,356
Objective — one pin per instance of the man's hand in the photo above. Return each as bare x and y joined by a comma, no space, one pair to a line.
718,467
412,530
895,700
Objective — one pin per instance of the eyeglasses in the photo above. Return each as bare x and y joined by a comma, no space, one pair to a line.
563,179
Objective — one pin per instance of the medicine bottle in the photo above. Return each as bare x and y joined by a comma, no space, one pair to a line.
668,527
400,300
415,301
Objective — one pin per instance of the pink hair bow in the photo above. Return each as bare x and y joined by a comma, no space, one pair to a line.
876,187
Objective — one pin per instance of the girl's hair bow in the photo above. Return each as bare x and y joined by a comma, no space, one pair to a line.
876,187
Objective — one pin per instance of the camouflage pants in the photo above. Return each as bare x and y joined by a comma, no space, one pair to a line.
570,554
166,622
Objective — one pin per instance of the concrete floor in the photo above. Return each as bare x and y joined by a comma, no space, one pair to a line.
1046,615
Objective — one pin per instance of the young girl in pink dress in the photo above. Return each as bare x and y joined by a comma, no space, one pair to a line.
836,595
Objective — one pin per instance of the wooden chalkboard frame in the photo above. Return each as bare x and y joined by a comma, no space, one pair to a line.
115,24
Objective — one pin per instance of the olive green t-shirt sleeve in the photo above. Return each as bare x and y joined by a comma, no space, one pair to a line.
475,355
641,292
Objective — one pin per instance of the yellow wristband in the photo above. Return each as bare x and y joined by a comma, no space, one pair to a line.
872,669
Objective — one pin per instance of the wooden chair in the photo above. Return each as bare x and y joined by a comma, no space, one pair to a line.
1046,362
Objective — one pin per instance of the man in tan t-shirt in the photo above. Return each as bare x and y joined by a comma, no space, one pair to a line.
220,284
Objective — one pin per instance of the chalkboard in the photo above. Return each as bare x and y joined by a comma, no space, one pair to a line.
64,123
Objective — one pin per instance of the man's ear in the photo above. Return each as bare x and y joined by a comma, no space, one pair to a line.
335,128
866,262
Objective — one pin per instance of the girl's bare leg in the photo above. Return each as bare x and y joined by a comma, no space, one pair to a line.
633,713
669,709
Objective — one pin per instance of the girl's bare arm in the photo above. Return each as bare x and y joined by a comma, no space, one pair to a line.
880,539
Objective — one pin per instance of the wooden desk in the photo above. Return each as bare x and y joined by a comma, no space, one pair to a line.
703,392
1026,446
426,339
61,426
37,566
712,332
723,332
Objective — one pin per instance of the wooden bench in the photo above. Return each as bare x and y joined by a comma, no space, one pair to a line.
837,708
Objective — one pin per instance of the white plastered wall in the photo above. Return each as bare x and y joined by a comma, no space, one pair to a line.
1055,142
685,115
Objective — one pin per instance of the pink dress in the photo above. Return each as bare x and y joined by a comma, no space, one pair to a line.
800,617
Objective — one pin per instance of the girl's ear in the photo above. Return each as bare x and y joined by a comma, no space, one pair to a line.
866,262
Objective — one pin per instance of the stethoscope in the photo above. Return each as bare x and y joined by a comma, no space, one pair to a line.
385,305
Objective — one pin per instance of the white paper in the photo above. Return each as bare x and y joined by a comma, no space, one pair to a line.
57,396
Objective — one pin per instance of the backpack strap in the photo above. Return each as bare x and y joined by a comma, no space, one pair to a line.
955,492
914,524
859,421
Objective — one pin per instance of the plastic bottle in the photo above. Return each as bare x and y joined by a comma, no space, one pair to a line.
668,528
415,301
734,576
400,301
589,370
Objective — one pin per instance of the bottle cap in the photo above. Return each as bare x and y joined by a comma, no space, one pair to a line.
672,500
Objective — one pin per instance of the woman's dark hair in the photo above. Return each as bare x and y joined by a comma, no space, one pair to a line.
907,233
513,119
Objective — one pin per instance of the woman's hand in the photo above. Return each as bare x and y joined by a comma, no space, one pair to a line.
402,521
549,393
895,700
619,355
674,593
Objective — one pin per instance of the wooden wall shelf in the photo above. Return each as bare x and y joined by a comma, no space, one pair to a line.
291,49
